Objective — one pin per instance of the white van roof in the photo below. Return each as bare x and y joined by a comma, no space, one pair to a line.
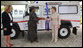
39,2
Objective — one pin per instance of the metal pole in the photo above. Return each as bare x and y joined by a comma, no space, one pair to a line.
47,21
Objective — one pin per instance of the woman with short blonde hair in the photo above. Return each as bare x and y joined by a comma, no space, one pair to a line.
7,8
7,20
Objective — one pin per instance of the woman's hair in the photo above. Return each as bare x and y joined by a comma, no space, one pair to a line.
7,7
31,8
54,8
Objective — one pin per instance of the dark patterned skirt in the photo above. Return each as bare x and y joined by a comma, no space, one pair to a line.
32,30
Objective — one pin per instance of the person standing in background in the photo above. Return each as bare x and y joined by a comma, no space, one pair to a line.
7,20
55,24
32,25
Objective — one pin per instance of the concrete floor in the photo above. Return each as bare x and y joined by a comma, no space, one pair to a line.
44,38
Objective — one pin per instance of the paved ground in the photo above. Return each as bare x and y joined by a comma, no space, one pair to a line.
45,38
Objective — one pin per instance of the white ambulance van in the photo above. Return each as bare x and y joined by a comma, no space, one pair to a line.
69,12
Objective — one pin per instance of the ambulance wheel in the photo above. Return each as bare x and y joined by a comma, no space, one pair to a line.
64,32
15,33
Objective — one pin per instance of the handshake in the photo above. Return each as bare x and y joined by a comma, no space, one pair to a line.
47,19
44,19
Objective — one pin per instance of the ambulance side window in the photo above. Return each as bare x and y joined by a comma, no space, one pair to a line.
68,9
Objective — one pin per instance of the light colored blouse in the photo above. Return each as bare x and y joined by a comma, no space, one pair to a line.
10,18
55,19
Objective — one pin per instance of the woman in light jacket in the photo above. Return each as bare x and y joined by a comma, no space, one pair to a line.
55,24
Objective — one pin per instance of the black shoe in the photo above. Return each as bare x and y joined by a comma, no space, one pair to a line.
31,41
36,41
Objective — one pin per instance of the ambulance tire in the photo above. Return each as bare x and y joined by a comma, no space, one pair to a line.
64,32
15,33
